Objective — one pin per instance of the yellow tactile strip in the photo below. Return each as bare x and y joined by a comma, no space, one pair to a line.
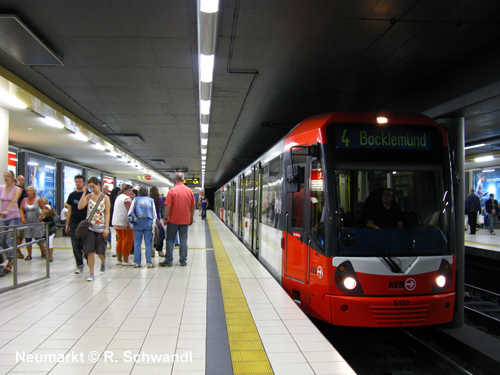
247,352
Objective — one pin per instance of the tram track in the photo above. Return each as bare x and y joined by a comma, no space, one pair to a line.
482,309
408,351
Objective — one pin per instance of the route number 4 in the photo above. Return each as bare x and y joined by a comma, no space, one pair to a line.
345,139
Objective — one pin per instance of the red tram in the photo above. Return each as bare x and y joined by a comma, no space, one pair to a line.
311,210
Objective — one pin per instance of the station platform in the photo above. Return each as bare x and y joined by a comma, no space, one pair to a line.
483,244
221,314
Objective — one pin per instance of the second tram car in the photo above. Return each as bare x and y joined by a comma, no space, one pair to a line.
352,213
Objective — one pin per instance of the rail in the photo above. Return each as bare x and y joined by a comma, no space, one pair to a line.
12,230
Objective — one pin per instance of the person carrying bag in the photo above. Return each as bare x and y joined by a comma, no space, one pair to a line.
83,227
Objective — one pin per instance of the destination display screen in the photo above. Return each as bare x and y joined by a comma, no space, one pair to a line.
350,138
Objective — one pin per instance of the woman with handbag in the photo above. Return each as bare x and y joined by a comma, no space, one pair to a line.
9,214
98,220
142,214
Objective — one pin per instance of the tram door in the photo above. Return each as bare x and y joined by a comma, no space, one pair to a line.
239,206
256,210
247,209
297,219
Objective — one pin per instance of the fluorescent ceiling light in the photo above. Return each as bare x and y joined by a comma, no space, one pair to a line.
209,6
80,137
204,141
11,100
204,128
206,68
99,146
205,107
484,158
204,157
53,122
203,151
480,145
488,170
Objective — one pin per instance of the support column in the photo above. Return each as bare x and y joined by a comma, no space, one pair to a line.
4,141
456,133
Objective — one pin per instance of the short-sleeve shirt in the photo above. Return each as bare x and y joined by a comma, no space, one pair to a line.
76,215
180,198
120,211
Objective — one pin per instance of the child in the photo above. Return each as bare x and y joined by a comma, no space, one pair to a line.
48,216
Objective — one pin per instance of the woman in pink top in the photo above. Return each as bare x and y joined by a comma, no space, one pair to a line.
9,214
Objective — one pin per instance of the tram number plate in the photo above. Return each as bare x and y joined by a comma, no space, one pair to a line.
401,302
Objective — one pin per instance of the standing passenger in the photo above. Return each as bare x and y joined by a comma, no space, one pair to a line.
179,213
74,217
492,212
112,232
472,208
99,225
124,231
20,233
144,208
9,195
30,212
204,206
48,216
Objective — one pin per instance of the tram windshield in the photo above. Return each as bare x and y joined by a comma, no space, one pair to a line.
392,212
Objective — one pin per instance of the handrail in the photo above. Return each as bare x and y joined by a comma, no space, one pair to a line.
5,230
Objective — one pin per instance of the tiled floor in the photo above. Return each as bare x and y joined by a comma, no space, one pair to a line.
65,325
483,239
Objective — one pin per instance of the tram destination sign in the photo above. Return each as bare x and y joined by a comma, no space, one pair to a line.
382,139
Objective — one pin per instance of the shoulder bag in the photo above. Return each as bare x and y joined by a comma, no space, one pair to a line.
83,228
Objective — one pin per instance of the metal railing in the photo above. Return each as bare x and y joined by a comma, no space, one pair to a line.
12,230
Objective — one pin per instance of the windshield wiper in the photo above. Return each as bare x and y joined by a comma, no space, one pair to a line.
394,267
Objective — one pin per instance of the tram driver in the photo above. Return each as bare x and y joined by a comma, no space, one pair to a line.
385,213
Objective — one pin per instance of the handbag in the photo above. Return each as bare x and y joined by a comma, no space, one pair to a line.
83,228
131,216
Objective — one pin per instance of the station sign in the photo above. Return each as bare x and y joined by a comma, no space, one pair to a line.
110,181
317,180
191,181
144,177
382,139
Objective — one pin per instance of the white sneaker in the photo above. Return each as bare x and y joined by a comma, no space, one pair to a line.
151,265
119,263
136,265
103,267
90,278
78,271
127,264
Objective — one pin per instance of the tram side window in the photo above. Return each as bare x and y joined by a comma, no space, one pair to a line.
249,197
272,182
298,203
317,205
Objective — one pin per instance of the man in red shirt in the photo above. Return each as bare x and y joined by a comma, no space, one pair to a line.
179,211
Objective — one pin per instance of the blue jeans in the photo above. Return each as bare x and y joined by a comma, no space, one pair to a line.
203,212
493,220
6,239
143,228
172,230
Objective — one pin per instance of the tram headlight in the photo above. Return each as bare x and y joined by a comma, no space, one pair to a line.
441,281
444,277
350,283
346,279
